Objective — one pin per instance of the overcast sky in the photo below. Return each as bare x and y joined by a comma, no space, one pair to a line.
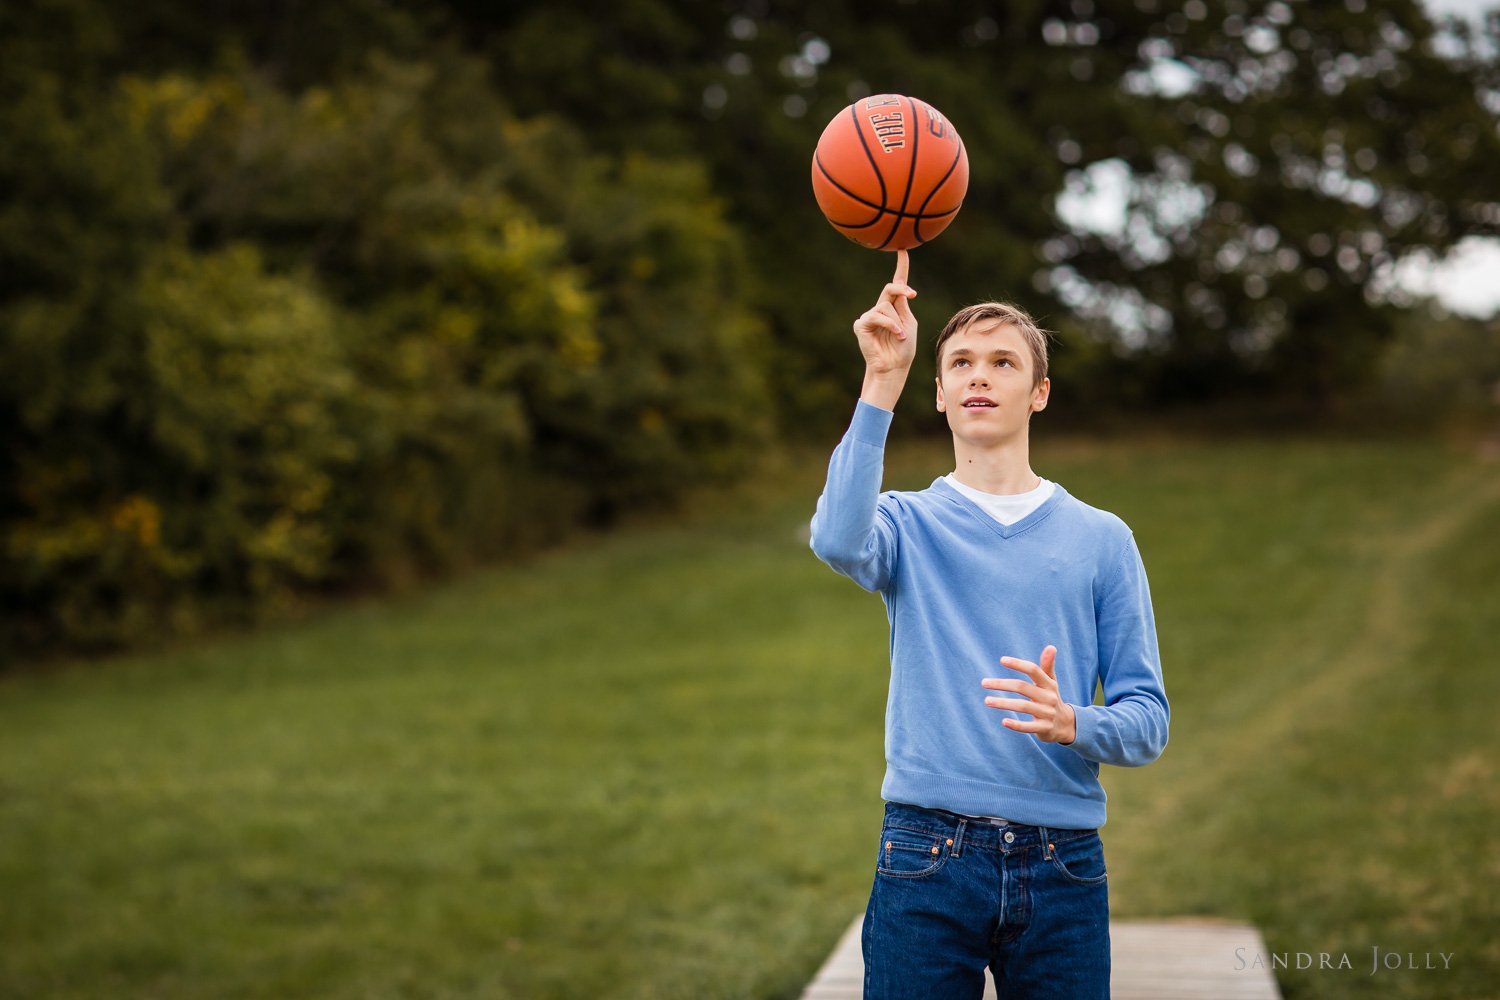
1468,8
1469,281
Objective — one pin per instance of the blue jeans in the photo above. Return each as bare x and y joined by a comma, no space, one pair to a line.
954,895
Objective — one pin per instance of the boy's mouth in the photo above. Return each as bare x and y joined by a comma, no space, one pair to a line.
978,401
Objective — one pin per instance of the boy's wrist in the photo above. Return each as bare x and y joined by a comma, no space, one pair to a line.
883,388
1069,734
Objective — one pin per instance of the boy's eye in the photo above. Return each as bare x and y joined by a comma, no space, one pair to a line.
960,362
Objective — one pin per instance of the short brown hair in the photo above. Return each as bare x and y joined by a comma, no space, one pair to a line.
1008,315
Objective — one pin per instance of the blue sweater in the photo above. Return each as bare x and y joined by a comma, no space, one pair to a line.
961,590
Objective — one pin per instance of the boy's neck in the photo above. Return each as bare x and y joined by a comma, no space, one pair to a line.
1003,468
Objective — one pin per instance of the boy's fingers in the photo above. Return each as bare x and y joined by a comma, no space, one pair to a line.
1046,669
1024,666
903,267
898,292
903,308
878,322
1015,684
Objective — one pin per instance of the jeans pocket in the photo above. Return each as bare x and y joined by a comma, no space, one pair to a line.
1080,859
910,853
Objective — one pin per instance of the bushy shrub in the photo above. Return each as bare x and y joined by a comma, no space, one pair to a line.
368,331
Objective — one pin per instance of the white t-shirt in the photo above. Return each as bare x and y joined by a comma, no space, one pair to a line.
1005,509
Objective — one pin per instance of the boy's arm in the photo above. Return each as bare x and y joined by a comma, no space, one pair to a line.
849,531
1130,728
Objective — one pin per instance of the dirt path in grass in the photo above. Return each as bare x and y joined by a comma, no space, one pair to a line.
1388,632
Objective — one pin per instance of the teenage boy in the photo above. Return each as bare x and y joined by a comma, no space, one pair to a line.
989,852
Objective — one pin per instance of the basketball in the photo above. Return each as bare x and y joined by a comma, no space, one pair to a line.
890,172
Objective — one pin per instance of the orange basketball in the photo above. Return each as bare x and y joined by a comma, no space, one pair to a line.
890,172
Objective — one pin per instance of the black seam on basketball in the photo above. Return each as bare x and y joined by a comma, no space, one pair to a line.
916,141
870,204
917,226
854,114
911,175
879,209
898,215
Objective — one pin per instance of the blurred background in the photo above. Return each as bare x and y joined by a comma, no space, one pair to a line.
357,343
499,271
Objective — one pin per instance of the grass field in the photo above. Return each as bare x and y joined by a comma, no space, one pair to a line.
647,766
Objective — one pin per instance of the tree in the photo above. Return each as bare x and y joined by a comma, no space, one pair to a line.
1309,148
259,338
1276,159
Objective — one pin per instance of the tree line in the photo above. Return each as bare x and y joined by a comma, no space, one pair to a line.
305,297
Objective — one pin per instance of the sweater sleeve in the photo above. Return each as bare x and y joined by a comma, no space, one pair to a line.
851,530
1130,728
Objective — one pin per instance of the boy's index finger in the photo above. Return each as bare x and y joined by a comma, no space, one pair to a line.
1022,666
903,266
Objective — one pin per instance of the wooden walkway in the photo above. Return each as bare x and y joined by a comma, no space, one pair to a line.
1150,960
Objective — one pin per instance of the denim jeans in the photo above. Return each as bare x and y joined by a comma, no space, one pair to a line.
954,895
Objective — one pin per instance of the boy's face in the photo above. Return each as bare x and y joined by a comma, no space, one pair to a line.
984,383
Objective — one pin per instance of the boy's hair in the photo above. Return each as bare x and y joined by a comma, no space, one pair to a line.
1009,315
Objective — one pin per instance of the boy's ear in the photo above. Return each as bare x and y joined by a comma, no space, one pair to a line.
940,405
1039,396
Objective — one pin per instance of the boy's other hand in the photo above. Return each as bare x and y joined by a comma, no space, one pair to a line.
887,334
1053,720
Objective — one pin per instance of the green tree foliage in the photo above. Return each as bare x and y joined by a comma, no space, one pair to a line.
1309,147
259,340
240,426
308,295
83,210
1276,158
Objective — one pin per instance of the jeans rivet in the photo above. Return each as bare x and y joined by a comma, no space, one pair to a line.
950,841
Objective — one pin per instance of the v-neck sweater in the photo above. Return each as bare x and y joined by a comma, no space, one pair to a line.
1005,508
961,590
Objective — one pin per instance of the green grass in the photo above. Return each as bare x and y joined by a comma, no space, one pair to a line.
648,765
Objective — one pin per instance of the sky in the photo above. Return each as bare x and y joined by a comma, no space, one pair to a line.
1468,281
1466,8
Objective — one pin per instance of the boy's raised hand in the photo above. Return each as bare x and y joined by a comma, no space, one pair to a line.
887,334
